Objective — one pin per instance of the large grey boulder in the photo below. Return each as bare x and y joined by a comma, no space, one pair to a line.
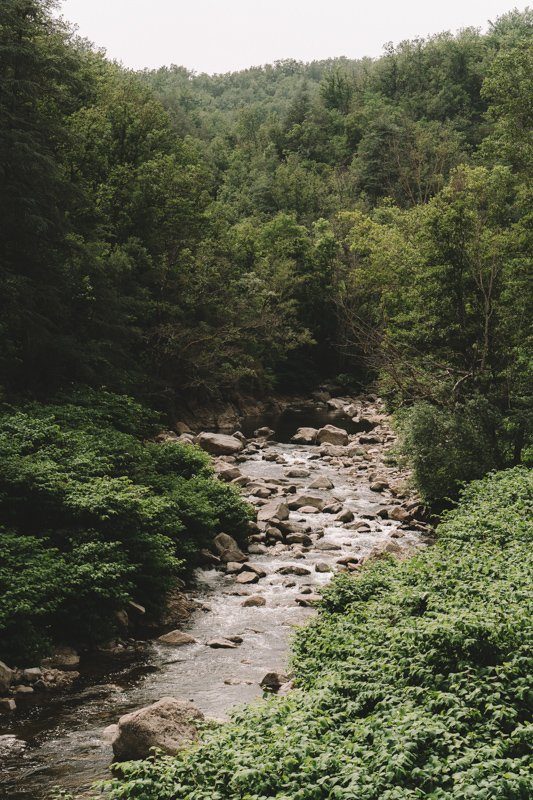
219,444
332,435
227,548
307,500
305,436
273,510
169,725
6,676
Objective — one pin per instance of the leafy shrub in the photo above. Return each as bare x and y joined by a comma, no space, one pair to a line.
94,516
446,448
413,681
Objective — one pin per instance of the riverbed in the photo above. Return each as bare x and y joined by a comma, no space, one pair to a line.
63,742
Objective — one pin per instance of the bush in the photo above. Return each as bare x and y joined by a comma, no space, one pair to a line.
413,681
94,517
446,448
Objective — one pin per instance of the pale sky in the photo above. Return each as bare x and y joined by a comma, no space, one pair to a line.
226,35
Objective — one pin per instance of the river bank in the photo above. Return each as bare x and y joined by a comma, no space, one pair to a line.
357,506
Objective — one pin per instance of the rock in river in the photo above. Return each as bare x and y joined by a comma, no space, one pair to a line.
177,638
169,725
219,444
332,435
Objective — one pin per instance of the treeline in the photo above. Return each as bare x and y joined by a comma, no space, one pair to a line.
164,234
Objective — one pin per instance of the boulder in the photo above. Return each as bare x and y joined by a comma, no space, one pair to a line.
379,486
6,676
227,548
321,566
247,577
182,427
307,599
64,658
255,600
7,704
293,569
307,500
299,538
177,638
332,435
345,516
273,681
228,473
222,644
219,444
305,436
273,510
169,725
322,482
297,472
333,508
399,514
265,431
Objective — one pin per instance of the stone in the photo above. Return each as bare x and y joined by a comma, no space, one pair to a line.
32,674
7,704
222,644
305,436
265,431
379,486
6,676
322,482
136,608
345,560
273,681
345,516
109,733
299,538
64,658
293,569
399,514
23,691
332,435
229,473
321,566
11,746
257,549
259,571
169,725
370,439
207,557
219,444
297,472
308,510
333,508
303,500
177,638
227,548
273,510
324,546
307,599
255,600
122,619
233,567
247,577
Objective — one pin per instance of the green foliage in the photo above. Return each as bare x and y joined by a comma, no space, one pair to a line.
96,517
413,680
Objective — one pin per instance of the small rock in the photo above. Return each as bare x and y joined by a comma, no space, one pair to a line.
6,676
253,601
307,599
305,436
294,569
222,644
247,577
296,472
321,566
177,638
322,482
345,516
303,500
273,681
7,704
379,486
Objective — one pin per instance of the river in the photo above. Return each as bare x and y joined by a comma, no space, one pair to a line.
63,739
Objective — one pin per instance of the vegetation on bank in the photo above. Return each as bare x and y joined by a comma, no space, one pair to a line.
413,681
93,516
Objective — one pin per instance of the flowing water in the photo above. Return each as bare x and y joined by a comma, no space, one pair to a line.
64,742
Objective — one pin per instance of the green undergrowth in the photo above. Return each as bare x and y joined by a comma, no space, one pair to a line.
413,681
93,515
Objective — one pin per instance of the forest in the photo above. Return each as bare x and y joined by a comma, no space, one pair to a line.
166,235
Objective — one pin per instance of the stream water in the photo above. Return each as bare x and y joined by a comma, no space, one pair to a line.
64,743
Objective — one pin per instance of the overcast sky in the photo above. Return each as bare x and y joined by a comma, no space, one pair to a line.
223,35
